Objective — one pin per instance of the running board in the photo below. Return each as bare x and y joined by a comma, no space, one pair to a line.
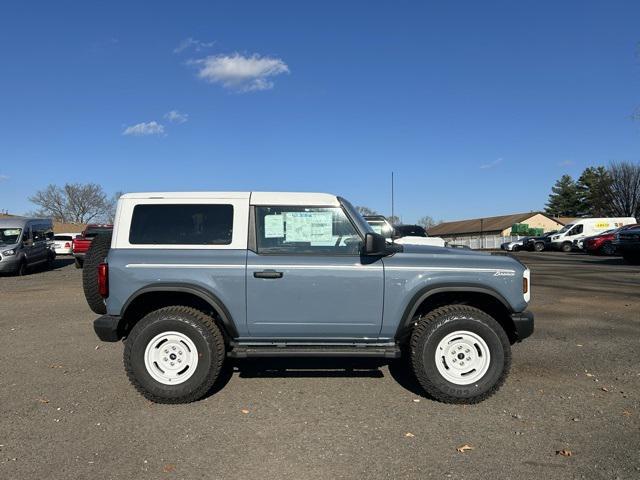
283,350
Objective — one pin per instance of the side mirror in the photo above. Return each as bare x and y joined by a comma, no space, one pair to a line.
374,244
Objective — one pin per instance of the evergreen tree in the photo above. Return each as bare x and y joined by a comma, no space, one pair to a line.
593,188
564,200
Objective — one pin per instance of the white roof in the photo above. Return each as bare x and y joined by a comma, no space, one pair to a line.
257,198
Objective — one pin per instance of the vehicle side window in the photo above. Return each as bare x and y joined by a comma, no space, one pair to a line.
576,230
168,224
305,230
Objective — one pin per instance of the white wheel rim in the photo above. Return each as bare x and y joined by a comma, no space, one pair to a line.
462,357
171,358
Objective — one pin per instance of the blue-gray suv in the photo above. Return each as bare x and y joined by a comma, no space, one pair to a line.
190,279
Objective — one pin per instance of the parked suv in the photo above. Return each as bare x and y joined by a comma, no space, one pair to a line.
628,244
190,279
24,243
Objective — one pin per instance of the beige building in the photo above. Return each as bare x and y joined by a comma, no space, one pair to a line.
499,226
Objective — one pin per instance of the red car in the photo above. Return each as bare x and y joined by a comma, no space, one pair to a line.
603,244
81,244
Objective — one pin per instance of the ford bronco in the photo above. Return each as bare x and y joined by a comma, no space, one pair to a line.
191,279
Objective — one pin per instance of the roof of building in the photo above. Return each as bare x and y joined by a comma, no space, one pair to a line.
485,224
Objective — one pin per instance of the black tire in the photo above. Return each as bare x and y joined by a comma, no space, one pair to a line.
566,247
96,254
77,262
632,259
515,248
538,246
608,249
201,330
434,327
22,268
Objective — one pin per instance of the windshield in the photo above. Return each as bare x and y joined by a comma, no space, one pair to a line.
566,228
9,236
92,232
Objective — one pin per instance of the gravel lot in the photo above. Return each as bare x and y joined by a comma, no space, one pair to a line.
67,410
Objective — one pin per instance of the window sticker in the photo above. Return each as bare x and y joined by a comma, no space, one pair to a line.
315,228
273,226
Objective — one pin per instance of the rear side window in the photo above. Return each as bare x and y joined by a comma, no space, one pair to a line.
181,224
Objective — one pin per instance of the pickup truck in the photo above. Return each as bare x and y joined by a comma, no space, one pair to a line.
80,244
190,280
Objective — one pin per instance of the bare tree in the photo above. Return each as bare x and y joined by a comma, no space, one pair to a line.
393,219
428,222
624,189
113,203
366,211
75,202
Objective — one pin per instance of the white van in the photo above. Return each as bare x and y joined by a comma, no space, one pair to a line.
586,227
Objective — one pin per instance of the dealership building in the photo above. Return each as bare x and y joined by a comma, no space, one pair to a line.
489,232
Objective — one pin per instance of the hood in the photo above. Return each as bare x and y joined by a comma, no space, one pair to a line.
429,255
8,246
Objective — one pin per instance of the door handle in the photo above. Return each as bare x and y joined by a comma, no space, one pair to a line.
268,274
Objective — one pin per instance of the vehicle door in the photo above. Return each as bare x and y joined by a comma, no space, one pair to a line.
306,278
39,248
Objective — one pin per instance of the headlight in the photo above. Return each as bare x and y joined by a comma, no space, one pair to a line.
8,253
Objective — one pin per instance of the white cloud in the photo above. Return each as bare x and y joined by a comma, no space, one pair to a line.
4,177
493,164
240,73
192,44
175,116
144,128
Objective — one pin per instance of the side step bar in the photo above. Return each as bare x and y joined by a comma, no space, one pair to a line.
251,351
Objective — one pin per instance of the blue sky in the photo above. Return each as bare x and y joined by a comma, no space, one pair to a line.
476,106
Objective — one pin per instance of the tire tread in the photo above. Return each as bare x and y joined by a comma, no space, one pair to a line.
431,321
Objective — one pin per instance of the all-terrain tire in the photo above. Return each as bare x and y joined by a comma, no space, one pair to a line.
429,333
200,329
96,254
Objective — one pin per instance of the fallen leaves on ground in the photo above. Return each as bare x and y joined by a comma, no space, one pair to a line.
245,411
464,447
564,452
169,468
626,413
604,389
43,400
409,434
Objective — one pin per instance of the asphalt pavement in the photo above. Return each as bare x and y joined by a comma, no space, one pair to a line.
67,410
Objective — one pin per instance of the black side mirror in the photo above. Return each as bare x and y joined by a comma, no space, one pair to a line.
374,244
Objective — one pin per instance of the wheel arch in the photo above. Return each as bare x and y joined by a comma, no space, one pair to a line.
432,297
160,295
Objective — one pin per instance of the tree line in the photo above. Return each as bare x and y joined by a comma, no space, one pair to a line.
613,191
426,222
75,203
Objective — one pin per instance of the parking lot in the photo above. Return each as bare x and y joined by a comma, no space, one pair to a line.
68,411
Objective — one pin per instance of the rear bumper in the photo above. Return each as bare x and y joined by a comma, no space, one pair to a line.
523,322
107,328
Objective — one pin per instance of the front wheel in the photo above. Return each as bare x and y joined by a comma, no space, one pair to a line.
538,247
174,355
566,247
460,354
608,249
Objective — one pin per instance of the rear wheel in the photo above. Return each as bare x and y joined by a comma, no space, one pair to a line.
538,247
566,247
632,259
78,262
174,355
96,254
460,354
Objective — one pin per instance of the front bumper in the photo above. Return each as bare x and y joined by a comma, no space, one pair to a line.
107,328
523,323
9,264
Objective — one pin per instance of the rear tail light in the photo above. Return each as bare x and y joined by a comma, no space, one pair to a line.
103,280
